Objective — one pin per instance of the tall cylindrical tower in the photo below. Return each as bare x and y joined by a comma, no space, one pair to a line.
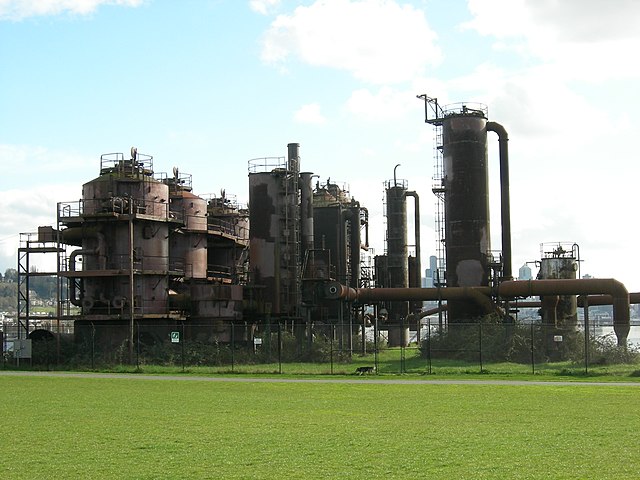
274,239
306,211
397,257
188,244
466,202
397,253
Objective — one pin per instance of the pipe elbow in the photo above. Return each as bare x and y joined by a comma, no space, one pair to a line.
618,289
499,129
72,258
346,214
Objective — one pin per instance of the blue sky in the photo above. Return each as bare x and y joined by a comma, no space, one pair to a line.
207,85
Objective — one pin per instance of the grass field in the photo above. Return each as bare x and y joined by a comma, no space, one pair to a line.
139,428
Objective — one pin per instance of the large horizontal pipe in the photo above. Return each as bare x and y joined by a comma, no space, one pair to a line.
584,286
593,300
508,289
335,290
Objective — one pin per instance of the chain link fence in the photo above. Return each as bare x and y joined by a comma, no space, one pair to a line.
323,349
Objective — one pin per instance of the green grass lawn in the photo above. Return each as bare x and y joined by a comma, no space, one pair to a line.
137,428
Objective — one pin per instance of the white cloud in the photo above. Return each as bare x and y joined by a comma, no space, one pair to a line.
377,41
263,6
584,40
19,9
580,21
30,193
23,210
310,113
386,104
34,180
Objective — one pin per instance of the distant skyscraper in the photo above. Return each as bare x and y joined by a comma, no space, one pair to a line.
524,273
429,273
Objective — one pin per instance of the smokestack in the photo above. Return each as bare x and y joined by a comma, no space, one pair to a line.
294,157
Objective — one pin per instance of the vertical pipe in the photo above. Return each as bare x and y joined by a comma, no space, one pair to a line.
366,226
505,209
416,221
586,334
354,254
306,212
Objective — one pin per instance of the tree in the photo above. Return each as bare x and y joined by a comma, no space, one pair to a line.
11,275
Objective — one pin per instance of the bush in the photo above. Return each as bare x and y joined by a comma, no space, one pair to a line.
605,350
490,339
493,341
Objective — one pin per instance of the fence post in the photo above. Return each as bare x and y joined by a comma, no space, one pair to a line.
182,344
533,360
375,344
480,344
279,348
586,334
364,334
233,345
402,351
429,344
93,346
331,333
138,345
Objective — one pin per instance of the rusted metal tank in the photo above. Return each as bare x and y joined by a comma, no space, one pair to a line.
214,307
337,222
124,238
337,230
188,243
228,239
465,182
397,257
559,261
275,232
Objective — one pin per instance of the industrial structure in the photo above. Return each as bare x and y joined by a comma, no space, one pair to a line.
474,279
142,253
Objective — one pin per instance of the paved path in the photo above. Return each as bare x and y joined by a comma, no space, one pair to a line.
370,380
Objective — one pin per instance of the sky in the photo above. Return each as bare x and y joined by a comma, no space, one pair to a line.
207,85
